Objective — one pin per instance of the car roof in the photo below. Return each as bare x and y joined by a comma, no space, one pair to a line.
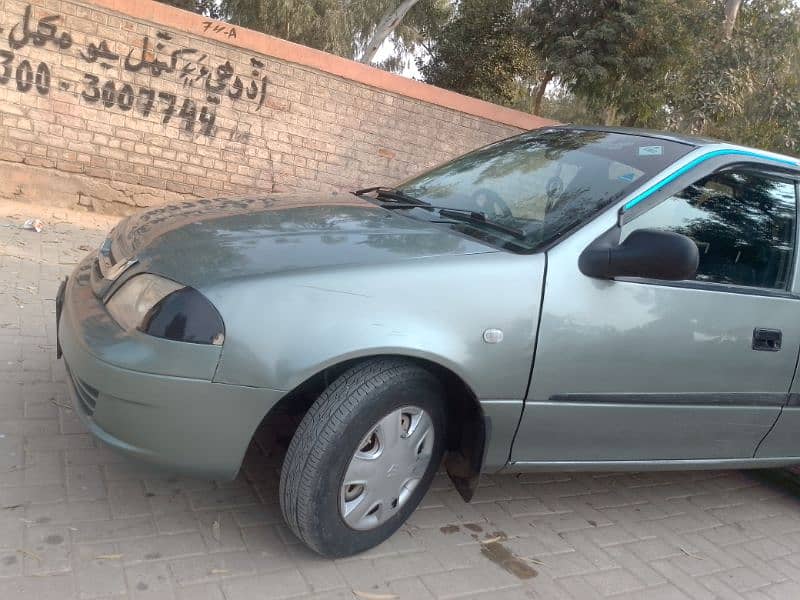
663,135
691,140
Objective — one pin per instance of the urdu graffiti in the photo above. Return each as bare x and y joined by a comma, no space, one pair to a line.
155,57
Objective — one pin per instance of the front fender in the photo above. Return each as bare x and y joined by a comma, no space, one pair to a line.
282,330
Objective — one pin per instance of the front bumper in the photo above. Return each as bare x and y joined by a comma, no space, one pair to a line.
150,398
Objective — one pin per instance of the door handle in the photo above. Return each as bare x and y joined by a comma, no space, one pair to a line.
767,340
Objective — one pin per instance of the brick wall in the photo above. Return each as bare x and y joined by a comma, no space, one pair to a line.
116,104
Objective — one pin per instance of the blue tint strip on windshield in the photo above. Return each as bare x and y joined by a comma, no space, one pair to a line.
687,167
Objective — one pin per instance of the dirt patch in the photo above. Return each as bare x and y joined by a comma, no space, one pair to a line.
53,216
499,554
448,529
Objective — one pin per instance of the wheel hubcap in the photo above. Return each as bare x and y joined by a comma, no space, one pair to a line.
387,466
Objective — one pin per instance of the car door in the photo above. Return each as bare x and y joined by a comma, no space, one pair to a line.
642,370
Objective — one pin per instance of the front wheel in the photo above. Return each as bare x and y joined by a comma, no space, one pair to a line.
363,456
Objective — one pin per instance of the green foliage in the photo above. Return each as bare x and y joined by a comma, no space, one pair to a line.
597,47
747,88
665,64
417,32
481,53
209,8
321,24
336,26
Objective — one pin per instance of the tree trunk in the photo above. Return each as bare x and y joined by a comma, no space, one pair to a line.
538,95
385,27
630,120
610,115
731,11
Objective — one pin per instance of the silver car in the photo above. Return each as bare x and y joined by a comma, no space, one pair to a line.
567,299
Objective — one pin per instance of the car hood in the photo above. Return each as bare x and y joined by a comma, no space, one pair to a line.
202,242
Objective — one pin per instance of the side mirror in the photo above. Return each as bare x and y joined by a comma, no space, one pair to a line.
647,253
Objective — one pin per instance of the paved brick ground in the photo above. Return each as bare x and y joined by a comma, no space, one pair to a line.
77,521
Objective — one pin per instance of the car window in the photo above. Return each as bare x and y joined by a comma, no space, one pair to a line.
743,223
546,182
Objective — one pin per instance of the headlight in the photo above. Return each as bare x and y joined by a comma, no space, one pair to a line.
162,308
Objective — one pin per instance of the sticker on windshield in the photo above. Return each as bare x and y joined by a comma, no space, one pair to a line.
651,150
618,171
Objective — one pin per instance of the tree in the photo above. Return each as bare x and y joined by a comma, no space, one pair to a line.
747,89
614,54
354,28
480,53
666,64
209,8
731,11
511,51
385,27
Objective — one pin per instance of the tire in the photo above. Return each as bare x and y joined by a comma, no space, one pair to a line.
312,492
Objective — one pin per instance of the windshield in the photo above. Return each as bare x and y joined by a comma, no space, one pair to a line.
543,183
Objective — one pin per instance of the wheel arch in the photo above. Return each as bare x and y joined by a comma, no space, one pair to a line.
466,423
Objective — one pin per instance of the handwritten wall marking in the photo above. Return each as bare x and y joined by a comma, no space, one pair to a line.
153,57
221,28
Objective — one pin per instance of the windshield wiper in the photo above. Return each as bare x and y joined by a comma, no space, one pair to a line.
403,200
462,214
393,194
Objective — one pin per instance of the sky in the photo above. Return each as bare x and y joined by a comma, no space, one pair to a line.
410,70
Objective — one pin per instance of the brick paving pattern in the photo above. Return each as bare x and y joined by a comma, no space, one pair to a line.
78,521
